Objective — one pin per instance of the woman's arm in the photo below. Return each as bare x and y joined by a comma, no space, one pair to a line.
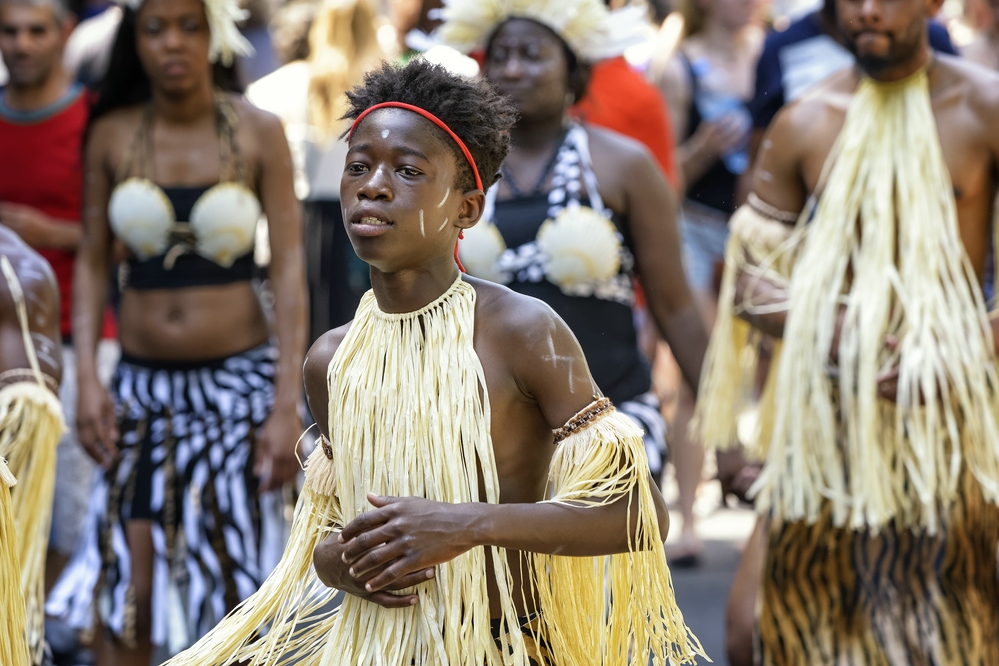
96,424
276,462
777,186
652,211
697,152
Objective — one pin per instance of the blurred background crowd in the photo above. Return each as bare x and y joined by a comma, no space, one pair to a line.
698,91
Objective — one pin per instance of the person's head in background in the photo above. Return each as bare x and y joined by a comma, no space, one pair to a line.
33,35
290,29
886,36
163,49
531,64
343,46
728,16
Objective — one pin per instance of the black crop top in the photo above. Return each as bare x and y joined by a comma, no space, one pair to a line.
187,269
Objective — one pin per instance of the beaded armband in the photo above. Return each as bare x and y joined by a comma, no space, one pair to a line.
18,375
583,418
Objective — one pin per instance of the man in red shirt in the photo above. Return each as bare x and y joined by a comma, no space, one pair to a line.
43,117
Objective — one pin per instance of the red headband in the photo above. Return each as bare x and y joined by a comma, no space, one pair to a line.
440,123
432,118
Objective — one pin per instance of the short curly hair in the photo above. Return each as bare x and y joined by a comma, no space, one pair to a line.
470,107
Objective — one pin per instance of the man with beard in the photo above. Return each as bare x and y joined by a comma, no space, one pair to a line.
879,424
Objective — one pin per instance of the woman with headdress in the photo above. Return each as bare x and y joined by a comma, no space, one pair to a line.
308,95
202,412
580,210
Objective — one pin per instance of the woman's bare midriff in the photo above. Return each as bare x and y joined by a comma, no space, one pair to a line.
193,324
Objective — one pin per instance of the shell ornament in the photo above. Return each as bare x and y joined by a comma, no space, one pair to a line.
582,247
480,250
220,219
139,211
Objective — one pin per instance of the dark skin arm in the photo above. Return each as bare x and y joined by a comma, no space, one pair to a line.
275,442
402,536
777,181
652,207
96,424
41,296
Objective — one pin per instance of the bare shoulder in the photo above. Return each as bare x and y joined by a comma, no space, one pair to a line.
519,320
526,331
320,354
36,271
608,142
825,102
36,278
114,131
256,120
317,363
970,82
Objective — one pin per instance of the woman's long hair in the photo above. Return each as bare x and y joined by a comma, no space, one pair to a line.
343,45
694,17
126,84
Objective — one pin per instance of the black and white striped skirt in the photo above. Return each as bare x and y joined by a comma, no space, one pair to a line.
186,466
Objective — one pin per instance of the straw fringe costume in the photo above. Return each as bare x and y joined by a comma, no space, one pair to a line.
883,516
13,643
415,378
31,424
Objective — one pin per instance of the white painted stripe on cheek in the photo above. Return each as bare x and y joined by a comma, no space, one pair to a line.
422,231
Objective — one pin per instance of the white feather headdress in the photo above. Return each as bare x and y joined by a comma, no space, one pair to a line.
223,17
592,31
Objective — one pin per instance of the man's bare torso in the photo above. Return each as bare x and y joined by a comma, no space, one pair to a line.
965,101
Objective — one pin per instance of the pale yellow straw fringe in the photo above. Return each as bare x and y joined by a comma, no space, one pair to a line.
887,184
618,609
30,426
13,636
31,423
409,416
757,246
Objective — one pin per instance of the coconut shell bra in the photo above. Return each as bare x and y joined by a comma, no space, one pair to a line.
181,237
580,247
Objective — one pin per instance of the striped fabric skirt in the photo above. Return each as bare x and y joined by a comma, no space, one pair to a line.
187,432
646,411
838,597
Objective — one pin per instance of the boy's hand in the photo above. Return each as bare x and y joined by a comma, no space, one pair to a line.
332,571
406,535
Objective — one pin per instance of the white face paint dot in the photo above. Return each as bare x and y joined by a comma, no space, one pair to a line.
385,133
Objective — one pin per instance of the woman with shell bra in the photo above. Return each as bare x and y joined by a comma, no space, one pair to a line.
201,416
579,212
